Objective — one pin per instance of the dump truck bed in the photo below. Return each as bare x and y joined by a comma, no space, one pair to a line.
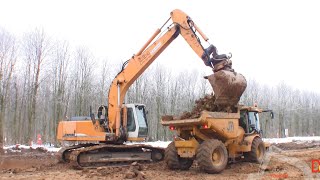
182,122
204,118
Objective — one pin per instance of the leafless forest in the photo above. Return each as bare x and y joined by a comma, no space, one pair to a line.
43,81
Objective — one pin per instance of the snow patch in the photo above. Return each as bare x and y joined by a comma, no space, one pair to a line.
297,139
19,147
162,144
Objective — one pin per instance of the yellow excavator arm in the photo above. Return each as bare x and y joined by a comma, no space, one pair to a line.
182,25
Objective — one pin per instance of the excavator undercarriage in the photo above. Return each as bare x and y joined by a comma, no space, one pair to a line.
84,155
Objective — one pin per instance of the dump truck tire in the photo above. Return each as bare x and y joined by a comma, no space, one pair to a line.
174,161
212,156
257,151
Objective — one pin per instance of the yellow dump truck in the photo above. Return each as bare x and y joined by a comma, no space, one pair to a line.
215,138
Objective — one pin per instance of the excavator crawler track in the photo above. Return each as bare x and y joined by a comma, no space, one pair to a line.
87,155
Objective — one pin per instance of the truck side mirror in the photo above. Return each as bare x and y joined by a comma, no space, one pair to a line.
271,113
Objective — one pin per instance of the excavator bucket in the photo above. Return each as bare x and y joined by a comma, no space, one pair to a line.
228,86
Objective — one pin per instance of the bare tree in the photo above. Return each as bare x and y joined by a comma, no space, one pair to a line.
61,58
104,82
7,63
204,86
83,81
36,50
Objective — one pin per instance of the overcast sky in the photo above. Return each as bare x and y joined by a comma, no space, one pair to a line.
271,41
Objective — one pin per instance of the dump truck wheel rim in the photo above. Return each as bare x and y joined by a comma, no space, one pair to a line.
217,156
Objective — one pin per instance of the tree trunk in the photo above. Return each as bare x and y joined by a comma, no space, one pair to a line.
1,134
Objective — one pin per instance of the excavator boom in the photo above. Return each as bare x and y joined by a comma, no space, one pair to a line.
182,25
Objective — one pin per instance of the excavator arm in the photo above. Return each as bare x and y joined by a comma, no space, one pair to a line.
134,67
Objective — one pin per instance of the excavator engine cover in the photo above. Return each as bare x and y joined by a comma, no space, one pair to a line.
228,86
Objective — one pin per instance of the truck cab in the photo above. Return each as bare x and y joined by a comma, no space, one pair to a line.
249,119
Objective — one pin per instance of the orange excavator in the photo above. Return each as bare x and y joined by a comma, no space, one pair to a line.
101,138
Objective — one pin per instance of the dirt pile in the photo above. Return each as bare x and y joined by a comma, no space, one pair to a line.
205,103
228,86
113,172
135,171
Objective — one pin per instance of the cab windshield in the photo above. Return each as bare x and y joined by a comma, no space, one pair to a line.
254,119
141,116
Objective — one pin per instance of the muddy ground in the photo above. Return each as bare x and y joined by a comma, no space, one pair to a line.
284,161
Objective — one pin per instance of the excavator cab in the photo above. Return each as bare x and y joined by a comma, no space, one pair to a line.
133,118
137,125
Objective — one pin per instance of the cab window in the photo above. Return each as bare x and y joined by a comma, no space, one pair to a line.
141,116
131,125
